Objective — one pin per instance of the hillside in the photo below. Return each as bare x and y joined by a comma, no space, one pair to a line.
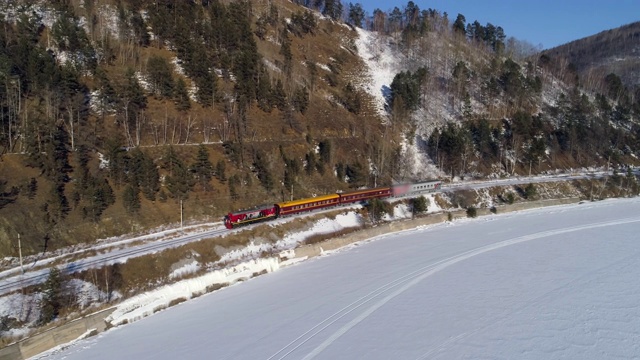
121,116
614,51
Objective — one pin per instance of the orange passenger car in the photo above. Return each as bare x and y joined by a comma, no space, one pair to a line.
302,205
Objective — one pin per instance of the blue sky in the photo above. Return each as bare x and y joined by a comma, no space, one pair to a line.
546,22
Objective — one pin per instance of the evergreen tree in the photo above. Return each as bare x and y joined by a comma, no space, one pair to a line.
32,189
407,86
530,191
131,199
69,35
262,170
377,209
178,180
131,103
285,51
419,204
52,296
351,100
279,99
326,151
118,160
356,174
300,100
263,93
107,96
234,182
202,167
160,76
56,165
181,96
459,26
7,197
220,170
356,14
340,172
310,163
100,196
143,173
150,178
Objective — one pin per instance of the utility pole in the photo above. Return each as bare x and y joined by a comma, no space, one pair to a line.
20,254
181,215
292,191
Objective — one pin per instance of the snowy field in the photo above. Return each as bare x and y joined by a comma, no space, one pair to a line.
553,283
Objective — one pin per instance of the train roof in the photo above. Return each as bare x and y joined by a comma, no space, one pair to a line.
257,208
365,191
418,182
307,200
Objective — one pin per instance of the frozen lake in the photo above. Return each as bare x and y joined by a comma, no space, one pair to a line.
553,283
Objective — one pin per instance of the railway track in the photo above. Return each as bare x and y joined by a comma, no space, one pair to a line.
36,277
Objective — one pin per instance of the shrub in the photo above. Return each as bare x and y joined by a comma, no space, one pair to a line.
509,198
377,208
177,301
530,191
472,212
420,204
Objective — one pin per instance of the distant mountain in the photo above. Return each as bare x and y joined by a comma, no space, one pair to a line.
612,51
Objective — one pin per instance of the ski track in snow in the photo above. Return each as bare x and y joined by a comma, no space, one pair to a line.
414,278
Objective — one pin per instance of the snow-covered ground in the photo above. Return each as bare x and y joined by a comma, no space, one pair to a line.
543,284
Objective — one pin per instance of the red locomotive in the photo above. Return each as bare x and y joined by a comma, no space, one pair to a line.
245,217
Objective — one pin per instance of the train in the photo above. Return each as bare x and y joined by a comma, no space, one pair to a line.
286,208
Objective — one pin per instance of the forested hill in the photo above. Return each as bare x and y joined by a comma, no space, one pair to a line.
612,51
119,116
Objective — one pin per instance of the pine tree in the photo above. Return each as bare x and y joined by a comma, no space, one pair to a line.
32,188
202,167
310,160
150,181
278,96
285,51
7,197
419,204
377,208
262,170
52,296
300,99
220,171
160,76
178,181
118,160
100,197
356,14
131,199
181,96
234,182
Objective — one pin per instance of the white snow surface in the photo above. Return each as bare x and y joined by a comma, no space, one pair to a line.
291,240
383,65
551,283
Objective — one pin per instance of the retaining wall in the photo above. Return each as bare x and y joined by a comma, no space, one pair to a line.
60,335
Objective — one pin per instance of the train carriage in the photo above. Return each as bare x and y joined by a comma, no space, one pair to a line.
416,188
363,195
297,206
245,217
